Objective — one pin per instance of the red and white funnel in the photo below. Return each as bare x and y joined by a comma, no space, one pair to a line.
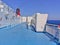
18,12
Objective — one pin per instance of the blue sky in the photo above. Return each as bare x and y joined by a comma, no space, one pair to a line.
29,7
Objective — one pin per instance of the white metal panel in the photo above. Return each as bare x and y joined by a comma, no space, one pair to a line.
41,21
23,19
29,19
52,30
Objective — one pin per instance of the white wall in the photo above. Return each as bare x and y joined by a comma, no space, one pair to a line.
29,18
41,21
23,19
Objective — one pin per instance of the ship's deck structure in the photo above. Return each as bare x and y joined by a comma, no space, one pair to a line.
7,15
13,32
20,35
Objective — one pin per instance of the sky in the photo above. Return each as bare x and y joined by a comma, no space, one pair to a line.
30,7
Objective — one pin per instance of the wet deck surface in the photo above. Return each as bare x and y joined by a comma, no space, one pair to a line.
19,35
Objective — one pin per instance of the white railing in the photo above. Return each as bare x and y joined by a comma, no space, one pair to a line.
53,30
10,22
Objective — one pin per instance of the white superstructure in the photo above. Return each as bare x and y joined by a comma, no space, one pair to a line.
39,21
8,17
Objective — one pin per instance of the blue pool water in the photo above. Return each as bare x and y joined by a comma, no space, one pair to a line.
19,35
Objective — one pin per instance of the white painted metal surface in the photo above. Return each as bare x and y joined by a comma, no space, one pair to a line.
23,19
54,31
7,16
39,21
29,20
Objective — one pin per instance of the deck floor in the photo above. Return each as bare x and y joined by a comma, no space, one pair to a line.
19,35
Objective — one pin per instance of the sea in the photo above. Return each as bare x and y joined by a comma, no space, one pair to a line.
56,22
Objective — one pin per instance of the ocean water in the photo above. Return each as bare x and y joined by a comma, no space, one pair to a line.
56,22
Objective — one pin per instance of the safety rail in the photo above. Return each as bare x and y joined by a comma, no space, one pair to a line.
54,31
9,22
